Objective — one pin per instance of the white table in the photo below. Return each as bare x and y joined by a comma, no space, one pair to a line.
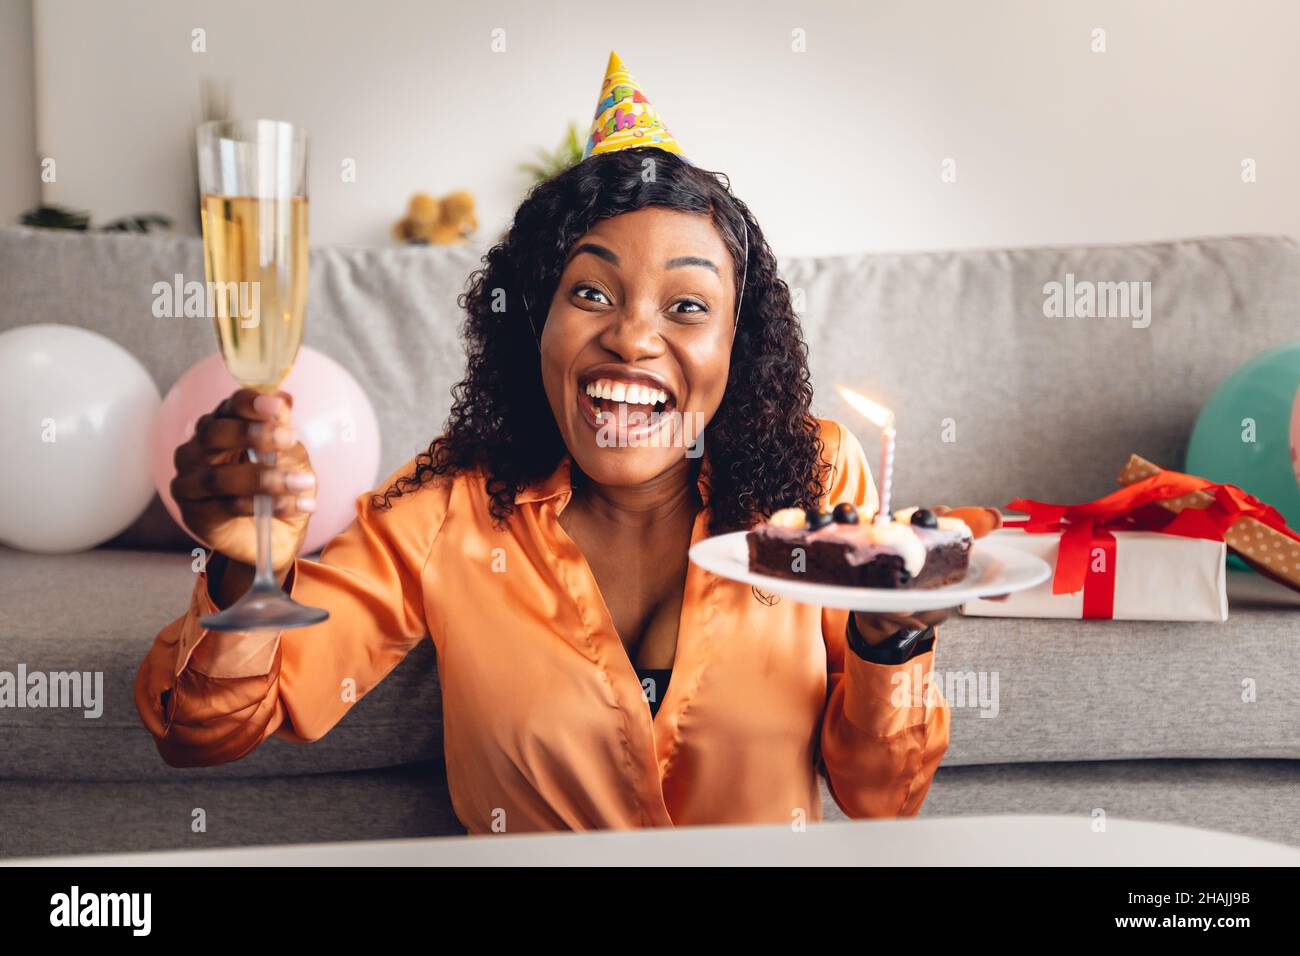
930,841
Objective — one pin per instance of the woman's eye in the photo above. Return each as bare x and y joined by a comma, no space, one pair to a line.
591,294
689,307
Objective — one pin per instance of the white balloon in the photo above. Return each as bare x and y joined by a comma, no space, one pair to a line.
76,410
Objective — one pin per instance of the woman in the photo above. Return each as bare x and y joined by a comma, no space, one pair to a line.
541,541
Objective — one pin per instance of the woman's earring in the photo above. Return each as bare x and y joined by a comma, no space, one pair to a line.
744,277
528,313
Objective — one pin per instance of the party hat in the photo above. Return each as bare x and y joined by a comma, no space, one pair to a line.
624,117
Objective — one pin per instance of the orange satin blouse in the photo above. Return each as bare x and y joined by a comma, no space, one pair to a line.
546,725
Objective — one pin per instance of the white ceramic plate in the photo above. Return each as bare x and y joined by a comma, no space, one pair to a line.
994,570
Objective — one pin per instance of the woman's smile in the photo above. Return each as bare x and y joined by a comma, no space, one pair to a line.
624,405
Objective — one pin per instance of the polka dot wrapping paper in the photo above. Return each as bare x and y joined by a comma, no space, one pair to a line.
1273,552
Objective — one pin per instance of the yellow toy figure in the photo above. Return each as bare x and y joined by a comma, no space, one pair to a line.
449,221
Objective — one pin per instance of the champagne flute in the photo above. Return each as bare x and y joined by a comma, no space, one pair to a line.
253,186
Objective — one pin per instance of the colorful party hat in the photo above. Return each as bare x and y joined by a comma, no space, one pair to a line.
624,117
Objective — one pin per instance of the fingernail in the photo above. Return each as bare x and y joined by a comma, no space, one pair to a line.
300,480
306,503
256,431
268,405
282,436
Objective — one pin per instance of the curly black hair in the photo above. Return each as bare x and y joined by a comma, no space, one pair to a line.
763,445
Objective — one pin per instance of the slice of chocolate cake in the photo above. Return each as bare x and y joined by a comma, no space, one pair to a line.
914,550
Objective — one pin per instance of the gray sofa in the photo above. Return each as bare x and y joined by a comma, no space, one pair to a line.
1140,720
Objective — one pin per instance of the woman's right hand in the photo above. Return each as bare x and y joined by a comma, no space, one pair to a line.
215,482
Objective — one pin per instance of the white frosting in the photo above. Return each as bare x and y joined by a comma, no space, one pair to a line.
902,539
955,524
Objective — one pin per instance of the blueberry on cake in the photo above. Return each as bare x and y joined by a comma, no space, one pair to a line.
916,549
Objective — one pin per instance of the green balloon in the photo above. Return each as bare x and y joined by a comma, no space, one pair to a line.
1243,434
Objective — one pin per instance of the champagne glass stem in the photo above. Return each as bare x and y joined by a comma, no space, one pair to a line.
263,506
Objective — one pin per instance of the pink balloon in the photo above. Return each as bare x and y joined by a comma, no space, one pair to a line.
331,415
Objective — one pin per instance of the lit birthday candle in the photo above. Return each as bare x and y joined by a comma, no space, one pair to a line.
882,418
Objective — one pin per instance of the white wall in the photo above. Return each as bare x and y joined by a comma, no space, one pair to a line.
19,176
837,149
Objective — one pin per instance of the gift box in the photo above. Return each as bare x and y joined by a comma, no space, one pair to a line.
1154,550
1254,531
1121,557
1130,576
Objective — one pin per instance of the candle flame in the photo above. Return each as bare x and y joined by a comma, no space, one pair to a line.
877,414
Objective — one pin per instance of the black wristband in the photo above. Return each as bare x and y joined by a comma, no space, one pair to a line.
899,648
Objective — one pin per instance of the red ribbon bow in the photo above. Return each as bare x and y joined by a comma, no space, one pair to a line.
1133,508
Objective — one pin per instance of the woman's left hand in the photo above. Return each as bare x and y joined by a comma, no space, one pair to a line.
875,628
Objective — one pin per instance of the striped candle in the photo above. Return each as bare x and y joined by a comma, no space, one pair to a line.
887,437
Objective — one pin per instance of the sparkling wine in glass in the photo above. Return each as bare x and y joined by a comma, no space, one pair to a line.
253,186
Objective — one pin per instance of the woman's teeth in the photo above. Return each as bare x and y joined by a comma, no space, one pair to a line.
622,392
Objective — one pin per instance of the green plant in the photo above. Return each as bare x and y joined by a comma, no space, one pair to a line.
146,222
60,217
549,163
56,217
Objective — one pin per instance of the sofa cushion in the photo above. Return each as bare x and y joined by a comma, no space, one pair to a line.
1106,690
46,817
98,611
1257,798
995,400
